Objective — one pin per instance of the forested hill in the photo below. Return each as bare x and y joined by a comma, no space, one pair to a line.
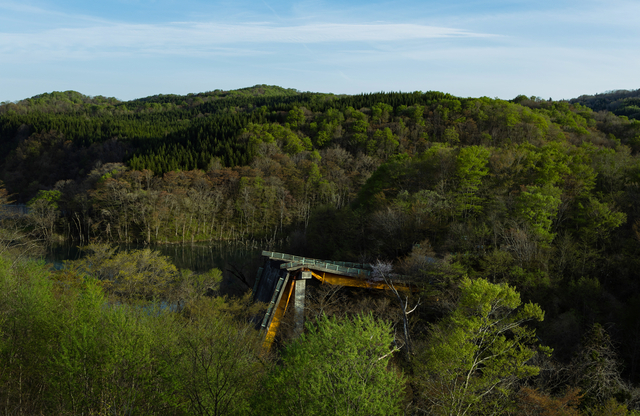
620,102
541,195
66,133
61,136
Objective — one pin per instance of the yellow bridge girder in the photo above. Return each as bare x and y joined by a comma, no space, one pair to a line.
324,277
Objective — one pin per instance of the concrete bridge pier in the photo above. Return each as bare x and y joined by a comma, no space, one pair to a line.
300,294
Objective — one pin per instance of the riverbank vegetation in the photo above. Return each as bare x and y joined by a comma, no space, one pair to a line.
518,219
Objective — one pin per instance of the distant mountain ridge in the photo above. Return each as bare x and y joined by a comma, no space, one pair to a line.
255,91
74,101
63,135
620,102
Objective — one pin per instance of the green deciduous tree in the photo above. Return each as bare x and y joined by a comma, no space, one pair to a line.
381,112
470,169
538,206
295,117
598,220
383,143
216,364
339,367
475,355
134,275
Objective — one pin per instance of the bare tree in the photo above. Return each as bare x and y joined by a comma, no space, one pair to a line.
383,270
325,300
596,369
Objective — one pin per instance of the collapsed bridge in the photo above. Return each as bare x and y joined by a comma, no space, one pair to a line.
284,276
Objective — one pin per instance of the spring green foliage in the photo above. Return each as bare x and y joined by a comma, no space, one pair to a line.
283,137
64,349
537,206
63,352
339,367
215,365
535,194
51,198
271,159
470,169
137,274
296,118
474,355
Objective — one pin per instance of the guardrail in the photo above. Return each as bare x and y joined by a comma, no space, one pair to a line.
291,258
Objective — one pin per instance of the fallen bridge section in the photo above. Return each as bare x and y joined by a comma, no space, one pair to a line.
282,281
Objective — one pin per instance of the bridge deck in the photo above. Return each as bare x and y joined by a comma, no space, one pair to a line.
283,274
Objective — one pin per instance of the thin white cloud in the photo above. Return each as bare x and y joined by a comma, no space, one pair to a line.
43,17
185,38
21,7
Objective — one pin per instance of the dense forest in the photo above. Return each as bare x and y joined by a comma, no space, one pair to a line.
620,102
518,221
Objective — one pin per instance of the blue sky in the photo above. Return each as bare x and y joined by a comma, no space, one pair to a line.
135,48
